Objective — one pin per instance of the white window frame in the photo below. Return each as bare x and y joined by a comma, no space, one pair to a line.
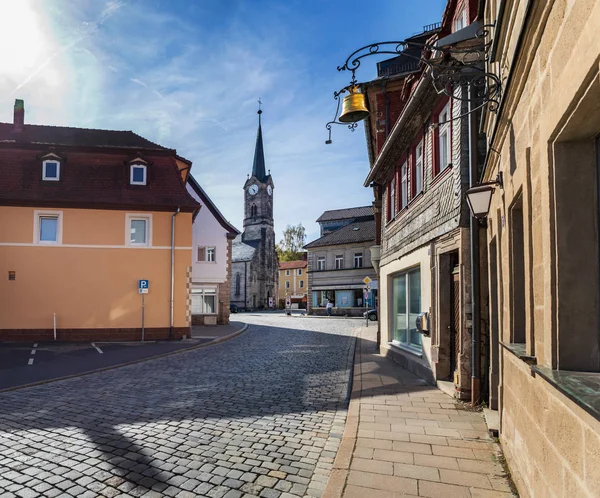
37,225
48,178
419,168
393,198
129,217
299,272
138,165
461,21
302,284
444,130
358,256
404,185
321,263
287,273
202,291
287,284
339,261
211,250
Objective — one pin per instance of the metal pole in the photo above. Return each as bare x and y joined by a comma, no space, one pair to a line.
474,239
55,326
143,309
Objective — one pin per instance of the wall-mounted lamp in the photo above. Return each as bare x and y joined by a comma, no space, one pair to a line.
479,197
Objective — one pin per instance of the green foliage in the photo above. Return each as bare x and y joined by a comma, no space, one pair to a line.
290,247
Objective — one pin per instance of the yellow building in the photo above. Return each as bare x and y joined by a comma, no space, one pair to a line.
293,282
84,215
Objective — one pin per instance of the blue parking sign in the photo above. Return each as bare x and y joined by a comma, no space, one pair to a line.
143,286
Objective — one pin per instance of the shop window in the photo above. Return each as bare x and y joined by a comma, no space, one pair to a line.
204,301
406,306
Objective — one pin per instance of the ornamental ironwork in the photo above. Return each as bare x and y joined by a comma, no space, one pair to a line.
459,62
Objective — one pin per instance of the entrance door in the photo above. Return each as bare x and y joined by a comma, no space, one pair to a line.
454,321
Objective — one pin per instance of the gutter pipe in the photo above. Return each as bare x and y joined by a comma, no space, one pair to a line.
172,268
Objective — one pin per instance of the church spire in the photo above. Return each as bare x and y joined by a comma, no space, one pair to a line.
258,168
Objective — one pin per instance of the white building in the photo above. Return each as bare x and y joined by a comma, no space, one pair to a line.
211,265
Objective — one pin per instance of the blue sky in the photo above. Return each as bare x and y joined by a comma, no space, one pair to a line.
187,75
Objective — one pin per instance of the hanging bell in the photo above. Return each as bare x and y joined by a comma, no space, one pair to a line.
353,107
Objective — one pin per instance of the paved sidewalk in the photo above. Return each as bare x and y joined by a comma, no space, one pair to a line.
216,331
406,438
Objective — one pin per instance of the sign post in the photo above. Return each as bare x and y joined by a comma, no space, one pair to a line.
143,287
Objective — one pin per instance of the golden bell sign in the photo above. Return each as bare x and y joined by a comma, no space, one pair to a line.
353,107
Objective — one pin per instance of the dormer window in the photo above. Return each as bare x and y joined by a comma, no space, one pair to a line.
137,174
51,170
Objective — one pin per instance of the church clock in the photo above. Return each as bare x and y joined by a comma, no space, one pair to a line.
269,190
253,189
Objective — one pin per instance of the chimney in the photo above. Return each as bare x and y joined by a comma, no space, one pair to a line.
19,120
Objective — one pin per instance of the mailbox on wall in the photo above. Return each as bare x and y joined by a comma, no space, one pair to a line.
422,323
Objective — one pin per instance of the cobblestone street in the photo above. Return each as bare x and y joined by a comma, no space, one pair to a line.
259,415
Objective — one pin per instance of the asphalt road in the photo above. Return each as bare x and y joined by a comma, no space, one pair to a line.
22,364
259,415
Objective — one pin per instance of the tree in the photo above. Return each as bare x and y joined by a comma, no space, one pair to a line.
290,247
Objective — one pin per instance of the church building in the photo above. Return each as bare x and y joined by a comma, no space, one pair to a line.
254,260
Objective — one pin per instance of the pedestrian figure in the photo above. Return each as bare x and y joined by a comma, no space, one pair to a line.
329,307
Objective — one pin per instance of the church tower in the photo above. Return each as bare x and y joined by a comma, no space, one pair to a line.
256,245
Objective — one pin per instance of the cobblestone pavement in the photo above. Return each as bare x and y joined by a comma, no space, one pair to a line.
259,415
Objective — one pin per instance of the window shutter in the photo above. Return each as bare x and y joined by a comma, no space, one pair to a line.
201,254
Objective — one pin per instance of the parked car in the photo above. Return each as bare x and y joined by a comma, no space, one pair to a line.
371,315
233,308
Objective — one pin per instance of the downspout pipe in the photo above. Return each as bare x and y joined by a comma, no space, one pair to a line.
475,283
172,269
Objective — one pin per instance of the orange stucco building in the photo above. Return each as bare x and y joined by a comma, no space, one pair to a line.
84,215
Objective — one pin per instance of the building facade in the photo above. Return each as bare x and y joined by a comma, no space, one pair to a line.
418,144
340,260
543,243
254,259
293,283
85,215
211,268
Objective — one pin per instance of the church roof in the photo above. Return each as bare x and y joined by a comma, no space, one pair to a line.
258,168
243,251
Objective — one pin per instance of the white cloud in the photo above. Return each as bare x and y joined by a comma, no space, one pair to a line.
125,65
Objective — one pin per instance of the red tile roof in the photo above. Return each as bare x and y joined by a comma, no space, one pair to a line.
288,265
94,172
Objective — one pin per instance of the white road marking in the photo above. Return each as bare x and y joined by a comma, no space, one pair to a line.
97,348
33,351
30,361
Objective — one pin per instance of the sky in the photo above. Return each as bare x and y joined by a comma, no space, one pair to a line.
188,74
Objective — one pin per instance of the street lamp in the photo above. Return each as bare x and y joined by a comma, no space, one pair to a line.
479,197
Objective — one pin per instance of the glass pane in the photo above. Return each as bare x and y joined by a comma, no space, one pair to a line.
196,304
209,303
51,170
138,174
48,229
415,306
399,316
138,231
443,150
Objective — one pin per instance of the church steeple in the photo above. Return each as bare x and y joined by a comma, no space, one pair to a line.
258,168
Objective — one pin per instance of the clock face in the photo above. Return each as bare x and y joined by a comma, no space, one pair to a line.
253,189
269,190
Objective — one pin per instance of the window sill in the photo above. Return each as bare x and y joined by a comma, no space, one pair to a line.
520,351
442,174
580,387
406,349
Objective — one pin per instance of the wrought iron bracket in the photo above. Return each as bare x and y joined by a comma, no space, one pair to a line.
449,66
